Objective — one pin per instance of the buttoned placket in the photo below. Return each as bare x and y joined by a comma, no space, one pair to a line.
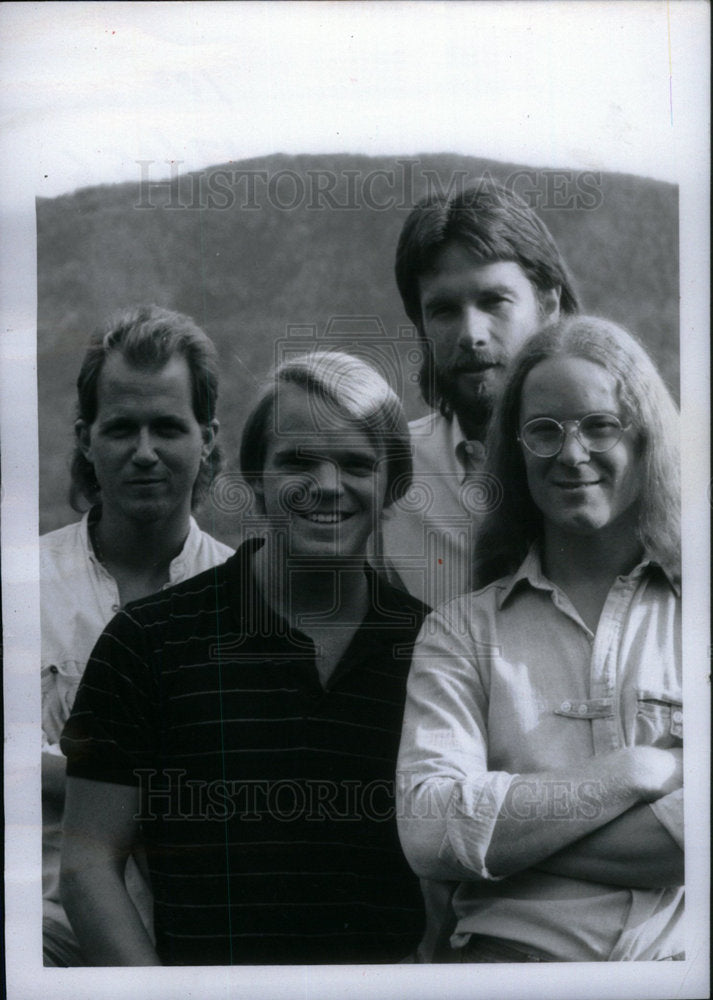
601,708
107,587
608,733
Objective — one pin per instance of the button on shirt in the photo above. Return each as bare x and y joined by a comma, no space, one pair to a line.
428,536
508,681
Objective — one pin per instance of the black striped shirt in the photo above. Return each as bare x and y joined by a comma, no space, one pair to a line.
267,800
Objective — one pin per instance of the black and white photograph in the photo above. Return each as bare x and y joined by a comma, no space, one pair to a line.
356,499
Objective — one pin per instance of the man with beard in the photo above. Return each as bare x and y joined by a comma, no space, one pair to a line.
478,274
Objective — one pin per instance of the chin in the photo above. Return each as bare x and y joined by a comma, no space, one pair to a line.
149,513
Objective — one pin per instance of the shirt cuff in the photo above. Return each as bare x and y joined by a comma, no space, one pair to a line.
471,820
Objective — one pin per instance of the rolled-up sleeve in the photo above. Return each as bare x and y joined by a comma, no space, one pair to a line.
108,735
448,800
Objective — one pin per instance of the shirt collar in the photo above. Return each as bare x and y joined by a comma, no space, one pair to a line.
531,571
177,570
89,520
188,554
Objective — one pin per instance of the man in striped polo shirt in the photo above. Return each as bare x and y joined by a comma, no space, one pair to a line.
248,720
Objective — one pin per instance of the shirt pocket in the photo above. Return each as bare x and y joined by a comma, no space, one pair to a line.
659,719
60,680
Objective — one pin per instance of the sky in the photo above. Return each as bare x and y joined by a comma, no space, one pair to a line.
89,89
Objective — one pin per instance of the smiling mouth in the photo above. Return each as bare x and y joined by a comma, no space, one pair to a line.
334,517
578,485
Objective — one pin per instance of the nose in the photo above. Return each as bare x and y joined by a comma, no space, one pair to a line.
144,450
327,478
573,452
474,328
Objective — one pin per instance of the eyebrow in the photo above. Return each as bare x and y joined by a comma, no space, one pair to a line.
121,419
302,450
445,296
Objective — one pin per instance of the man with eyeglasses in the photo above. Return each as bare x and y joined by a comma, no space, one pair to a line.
541,759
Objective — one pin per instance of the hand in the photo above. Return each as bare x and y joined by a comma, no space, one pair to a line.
656,772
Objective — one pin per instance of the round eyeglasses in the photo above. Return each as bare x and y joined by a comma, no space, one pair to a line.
597,432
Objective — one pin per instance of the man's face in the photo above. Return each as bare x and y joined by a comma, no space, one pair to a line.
580,491
323,481
145,443
476,316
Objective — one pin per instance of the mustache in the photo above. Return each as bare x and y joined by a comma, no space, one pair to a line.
474,361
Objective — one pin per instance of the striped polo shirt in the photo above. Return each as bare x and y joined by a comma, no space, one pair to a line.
267,800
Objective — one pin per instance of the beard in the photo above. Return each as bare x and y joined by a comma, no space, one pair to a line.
470,388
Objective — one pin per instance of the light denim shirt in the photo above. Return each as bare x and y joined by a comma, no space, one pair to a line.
508,681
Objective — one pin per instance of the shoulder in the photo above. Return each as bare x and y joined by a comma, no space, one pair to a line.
430,431
433,441
64,545
62,537
426,424
212,544
190,596
473,613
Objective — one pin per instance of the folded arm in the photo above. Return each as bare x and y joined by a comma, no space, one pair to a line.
635,851
99,833
591,796
460,820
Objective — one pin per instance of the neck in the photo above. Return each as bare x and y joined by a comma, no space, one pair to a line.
329,589
140,547
598,558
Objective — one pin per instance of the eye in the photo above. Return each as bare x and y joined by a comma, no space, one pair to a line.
495,301
601,426
542,431
117,429
358,466
293,462
440,310
169,428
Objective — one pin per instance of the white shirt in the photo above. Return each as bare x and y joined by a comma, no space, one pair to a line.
428,537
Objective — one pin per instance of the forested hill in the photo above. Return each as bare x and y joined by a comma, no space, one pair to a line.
270,255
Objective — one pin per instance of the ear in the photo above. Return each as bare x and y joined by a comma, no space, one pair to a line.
82,433
210,434
549,301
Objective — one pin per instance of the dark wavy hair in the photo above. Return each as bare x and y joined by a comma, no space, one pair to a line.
493,224
349,386
507,532
147,337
